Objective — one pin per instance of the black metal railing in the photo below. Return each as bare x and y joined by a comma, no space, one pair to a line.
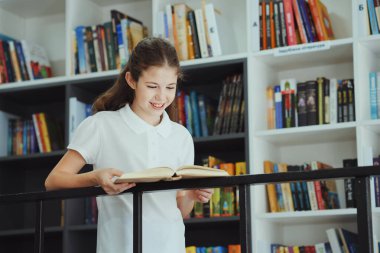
362,193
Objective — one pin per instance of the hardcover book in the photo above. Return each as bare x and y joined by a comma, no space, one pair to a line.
170,174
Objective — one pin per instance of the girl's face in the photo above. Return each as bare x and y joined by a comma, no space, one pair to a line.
154,92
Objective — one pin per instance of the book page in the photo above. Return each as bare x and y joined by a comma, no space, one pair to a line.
196,171
147,175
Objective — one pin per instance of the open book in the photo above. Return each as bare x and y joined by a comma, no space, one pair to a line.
169,174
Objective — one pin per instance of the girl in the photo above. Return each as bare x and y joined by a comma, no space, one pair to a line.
130,131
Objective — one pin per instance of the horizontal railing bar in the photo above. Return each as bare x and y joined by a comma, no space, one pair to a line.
199,183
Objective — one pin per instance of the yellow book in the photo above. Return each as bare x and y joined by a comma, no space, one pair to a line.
44,130
191,249
169,174
271,188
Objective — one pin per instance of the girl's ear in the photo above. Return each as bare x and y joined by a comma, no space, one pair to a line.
129,80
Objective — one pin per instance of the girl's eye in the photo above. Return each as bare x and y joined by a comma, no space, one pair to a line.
170,88
152,87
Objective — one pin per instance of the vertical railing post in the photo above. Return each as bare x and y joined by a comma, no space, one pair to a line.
364,214
137,222
245,220
39,229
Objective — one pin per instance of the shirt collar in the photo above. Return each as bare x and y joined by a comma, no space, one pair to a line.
138,125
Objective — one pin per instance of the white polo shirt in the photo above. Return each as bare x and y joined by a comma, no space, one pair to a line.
122,140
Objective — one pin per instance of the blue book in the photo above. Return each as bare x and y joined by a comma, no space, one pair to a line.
203,114
372,17
79,34
280,200
306,20
373,94
195,113
278,105
188,114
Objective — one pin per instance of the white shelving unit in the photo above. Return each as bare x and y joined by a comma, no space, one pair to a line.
351,55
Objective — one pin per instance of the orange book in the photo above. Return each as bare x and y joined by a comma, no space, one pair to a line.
190,44
328,30
44,130
271,189
270,108
317,19
234,248
264,24
272,28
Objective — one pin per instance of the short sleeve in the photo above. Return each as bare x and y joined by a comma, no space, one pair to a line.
86,140
188,150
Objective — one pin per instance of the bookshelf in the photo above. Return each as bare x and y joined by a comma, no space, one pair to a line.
353,54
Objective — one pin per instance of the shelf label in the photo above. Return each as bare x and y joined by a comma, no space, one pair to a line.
303,48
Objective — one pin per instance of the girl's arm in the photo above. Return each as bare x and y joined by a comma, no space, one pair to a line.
65,175
186,199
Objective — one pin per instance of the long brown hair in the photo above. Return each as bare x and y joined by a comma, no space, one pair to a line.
147,53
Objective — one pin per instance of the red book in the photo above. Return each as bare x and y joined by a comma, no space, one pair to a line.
289,21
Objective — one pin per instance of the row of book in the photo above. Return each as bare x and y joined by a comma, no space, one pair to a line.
340,240
224,201
301,196
22,61
40,134
374,94
230,116
371,11
292,22
204,117
105,46
314,102
194,33
232,248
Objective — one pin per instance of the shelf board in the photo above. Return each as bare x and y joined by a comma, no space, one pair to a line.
308,217
29,231
310,134
217,138
38,160
57,153
211,220
91,227
308,55
214,60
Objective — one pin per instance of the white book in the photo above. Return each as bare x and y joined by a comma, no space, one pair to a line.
96,49
320,248
201,33
213,30
124,27
169,18
334,240
363,19
4,131
333,101
26,51
77,113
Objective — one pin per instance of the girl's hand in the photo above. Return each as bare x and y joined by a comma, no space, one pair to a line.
201,195
103,177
